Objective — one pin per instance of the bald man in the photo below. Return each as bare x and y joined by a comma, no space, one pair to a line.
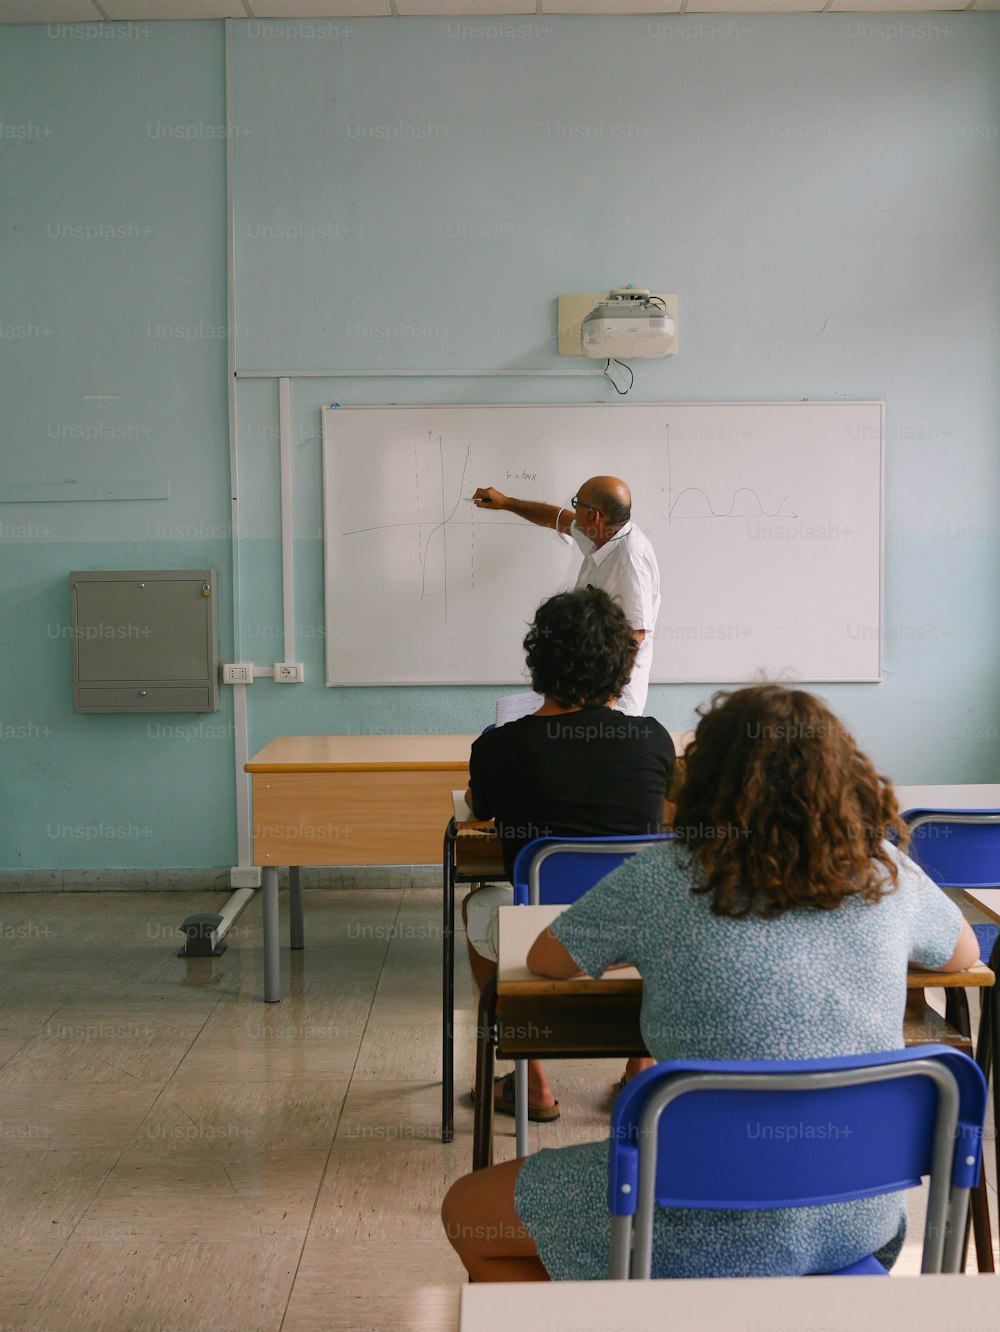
618,557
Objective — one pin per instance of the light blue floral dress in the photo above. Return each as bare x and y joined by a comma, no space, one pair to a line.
807,985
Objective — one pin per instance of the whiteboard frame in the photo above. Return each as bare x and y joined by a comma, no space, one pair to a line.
328,410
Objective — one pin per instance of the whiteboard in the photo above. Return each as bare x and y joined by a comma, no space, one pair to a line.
766,519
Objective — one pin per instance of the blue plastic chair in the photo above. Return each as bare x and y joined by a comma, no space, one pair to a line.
960,848
680,1138
561,870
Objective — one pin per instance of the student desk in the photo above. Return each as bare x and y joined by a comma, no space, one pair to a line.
759,1304
526,1016
346,800
983,795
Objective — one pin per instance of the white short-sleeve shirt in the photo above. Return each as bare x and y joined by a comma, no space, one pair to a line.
625,567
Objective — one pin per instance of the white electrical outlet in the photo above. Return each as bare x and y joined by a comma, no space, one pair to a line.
237,672
289,672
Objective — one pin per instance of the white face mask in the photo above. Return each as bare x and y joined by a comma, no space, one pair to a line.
581,539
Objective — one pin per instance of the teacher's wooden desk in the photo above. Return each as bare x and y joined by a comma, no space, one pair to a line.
346,800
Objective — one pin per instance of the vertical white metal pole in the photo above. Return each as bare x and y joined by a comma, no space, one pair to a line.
240,741
287,522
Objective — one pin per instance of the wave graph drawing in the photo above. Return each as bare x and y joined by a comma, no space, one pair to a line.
711,511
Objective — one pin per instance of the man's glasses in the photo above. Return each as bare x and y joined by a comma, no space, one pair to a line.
576,503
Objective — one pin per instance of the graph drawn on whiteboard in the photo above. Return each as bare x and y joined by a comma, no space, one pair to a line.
426,530
766,520
692,502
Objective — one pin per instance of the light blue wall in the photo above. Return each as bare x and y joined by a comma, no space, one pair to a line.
821,192
114,275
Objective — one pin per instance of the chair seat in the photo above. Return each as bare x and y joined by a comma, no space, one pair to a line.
869,1266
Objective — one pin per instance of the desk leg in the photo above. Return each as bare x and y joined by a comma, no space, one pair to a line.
482,1140
957,1013
993,1007
990,1018
272,960
296,916
448,986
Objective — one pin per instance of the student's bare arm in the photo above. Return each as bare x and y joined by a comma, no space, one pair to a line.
548,957
966,952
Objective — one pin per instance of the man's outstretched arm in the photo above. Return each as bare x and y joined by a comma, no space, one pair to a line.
542,515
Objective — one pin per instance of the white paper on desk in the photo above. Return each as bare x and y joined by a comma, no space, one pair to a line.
512,706
463,814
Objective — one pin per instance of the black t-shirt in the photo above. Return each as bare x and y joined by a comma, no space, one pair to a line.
590,773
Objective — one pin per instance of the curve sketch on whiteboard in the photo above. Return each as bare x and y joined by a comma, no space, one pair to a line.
731,512
423,544
723,513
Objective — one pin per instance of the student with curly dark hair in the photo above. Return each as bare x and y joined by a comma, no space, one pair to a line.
574,768
779,925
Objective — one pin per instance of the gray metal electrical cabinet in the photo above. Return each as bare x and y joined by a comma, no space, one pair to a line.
145,640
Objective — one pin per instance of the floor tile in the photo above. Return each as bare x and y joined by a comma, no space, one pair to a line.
141,1287
380,1286
206,1197
195,1119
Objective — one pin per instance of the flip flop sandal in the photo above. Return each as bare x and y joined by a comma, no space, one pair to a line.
503,1101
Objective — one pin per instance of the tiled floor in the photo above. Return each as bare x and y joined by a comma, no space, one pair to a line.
175,1154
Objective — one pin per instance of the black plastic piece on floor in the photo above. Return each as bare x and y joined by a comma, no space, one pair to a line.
198,929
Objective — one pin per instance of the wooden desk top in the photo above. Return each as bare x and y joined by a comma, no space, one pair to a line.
376,753
982,795
521,925
848,1304
364,753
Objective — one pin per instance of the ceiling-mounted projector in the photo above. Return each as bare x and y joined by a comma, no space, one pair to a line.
629,324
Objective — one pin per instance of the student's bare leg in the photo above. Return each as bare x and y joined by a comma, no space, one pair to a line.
539,1092
482,1223
636,1065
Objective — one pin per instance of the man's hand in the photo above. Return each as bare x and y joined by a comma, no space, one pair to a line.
533,511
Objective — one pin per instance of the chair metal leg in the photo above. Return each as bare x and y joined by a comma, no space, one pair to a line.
482,1138
448,986
521,1106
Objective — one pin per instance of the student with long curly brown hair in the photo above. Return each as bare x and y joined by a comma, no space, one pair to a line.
779,925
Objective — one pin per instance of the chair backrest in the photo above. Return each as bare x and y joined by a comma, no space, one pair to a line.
958,848
761,1135
562,869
